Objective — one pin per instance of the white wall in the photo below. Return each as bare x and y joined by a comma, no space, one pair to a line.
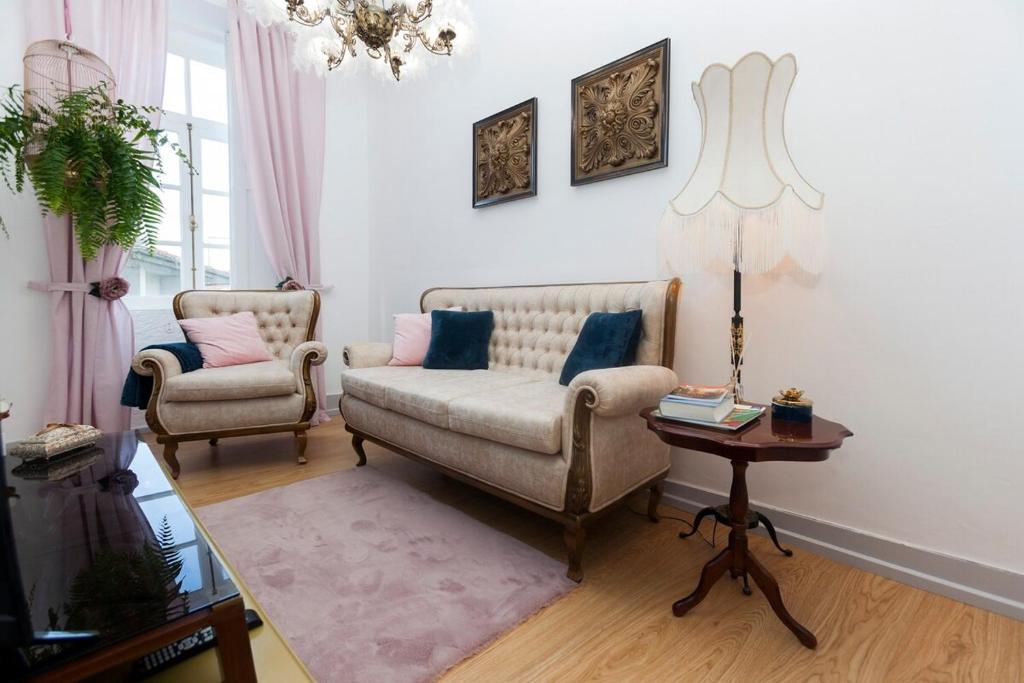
344,224
906,114
24,314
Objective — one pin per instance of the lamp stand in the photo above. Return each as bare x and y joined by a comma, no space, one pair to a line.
736,337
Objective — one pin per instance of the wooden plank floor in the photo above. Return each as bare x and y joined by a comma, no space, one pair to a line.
618,625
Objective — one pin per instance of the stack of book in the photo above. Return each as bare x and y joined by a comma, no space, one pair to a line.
707,406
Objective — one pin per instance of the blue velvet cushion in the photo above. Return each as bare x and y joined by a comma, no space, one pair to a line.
459,340
607,340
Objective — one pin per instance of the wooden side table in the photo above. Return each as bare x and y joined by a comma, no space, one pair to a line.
764,440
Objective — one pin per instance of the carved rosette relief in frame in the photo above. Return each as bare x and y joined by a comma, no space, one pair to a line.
620,116
505,155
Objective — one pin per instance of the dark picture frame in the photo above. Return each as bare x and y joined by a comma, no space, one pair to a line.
631,90
500,141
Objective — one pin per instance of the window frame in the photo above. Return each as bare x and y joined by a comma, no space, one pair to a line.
200,44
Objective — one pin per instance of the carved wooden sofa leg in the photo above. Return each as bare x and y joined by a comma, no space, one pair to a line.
656,489
213,441
357,446
171,458
300,446
575,536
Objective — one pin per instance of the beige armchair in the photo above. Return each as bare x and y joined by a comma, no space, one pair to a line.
239,400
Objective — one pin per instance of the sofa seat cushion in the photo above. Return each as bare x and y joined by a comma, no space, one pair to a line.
421,393
250,380
429,396
526,415
371,384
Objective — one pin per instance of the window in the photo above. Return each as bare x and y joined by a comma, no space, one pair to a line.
195,97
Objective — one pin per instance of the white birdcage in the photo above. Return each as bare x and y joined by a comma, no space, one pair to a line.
56,68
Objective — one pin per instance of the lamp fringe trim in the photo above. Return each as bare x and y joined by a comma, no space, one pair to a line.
751,240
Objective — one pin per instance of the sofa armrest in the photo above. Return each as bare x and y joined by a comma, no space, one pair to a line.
609,448
367,354
317,351
624,391
304,355
149,361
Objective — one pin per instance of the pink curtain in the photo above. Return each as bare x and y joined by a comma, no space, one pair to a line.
279,114
93,340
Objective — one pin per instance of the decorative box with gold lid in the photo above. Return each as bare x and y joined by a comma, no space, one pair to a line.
792,406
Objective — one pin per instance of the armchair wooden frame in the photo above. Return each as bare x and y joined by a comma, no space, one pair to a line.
170,441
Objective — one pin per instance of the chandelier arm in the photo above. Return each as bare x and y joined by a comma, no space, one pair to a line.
422,13
400,19
340,25
346,8
301,14
350,40
436,46
394,62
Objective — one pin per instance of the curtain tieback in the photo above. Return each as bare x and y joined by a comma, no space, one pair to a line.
60,286
108,289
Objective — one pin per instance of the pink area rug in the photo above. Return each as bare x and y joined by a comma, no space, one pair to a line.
372,580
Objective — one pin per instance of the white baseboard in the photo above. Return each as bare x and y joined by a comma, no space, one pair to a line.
981,585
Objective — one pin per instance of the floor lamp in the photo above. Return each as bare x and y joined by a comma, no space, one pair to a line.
745,206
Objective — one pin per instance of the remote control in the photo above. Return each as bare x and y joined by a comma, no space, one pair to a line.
186,648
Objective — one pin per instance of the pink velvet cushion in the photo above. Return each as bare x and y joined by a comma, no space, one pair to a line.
227,340
412,337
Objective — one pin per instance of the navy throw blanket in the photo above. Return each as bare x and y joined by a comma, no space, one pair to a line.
137,389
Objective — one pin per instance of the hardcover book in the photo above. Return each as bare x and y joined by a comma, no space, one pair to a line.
697,411
698,394
740,417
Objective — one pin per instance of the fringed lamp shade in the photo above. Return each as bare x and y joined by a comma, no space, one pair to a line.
746,206
55,68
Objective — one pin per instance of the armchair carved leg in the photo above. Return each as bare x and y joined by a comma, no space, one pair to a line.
575,536
653,501
357,446
171,458
300,446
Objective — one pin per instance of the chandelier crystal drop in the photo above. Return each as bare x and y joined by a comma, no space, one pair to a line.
329,33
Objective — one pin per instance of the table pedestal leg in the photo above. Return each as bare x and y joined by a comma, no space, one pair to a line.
739,561
711,573
770,587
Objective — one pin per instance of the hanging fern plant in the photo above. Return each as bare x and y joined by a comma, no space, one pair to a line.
92,158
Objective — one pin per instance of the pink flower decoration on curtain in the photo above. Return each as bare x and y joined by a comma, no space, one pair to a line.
289,285
110,288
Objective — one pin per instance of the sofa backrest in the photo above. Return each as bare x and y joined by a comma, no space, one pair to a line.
285,319
535,326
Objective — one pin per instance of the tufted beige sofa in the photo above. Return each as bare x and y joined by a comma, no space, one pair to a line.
569,453
255,398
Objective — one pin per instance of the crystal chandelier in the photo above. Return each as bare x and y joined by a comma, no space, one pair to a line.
390,32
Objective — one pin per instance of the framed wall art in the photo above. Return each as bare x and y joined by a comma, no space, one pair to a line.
620,116
505,155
